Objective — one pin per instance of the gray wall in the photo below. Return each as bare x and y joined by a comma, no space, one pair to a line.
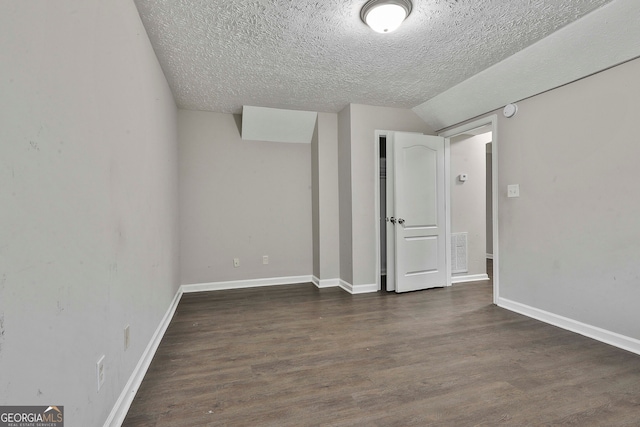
241,199
315,201
364,121
328,241
570,244
468,199
88,189
344,194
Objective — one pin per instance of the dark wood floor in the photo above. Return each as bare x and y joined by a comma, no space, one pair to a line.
299,356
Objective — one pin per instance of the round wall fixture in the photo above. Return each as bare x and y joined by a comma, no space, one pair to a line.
385,16
510,110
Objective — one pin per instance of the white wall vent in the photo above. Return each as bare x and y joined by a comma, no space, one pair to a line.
459,258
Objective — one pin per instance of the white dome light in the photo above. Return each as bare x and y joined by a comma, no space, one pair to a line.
385,16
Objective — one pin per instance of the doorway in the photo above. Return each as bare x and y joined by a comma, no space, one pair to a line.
410,203
484,133
380,146
383,217
470,219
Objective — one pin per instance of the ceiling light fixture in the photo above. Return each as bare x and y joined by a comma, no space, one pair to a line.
385,16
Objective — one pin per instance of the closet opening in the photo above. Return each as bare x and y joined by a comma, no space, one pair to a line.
382,149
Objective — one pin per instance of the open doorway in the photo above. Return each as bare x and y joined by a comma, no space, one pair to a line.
383,217
470,218
472,208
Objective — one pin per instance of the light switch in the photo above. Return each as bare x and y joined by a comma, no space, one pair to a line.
513,190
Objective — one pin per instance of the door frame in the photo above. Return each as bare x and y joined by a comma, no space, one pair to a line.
376,190
448,134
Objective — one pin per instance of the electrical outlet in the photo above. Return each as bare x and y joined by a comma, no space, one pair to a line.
127,337
513,190
236,262
100,372
265,259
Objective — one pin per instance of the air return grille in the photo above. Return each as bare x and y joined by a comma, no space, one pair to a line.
459,259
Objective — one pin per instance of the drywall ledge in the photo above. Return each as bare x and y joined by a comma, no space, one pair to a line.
604,38
277,125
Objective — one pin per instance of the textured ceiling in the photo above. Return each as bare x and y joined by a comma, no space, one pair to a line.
318,55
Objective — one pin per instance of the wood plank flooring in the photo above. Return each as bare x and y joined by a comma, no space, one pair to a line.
296,355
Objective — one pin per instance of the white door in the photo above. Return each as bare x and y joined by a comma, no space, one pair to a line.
419,210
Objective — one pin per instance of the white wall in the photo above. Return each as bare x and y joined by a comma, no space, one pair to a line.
88,189
468,199
241,199
364,120
570,244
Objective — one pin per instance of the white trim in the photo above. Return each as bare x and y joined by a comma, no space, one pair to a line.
242,284
489,256
493,121
315,280
447,208
364,289
495,196
326,283
390,211
469,278
122,405
346,286
598,334
358,289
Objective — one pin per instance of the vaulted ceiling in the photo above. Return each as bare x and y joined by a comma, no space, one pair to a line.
318,55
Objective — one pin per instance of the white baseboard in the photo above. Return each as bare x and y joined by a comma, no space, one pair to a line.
122,405
489,256
325,283
242,284
358,289
469,278
346,286
365,289
599,334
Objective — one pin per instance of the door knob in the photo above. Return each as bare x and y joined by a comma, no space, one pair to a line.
392,220
400,221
